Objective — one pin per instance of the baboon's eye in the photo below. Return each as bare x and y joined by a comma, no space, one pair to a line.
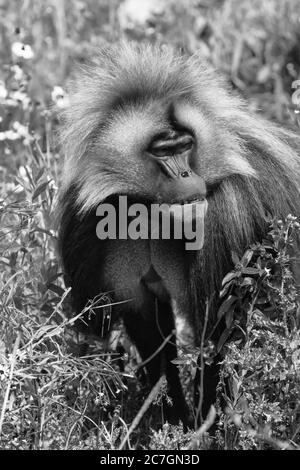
171,143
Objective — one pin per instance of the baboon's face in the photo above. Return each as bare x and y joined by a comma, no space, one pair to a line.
155,128
164,152
156,151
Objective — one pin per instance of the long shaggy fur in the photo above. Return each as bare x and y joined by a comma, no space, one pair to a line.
251,168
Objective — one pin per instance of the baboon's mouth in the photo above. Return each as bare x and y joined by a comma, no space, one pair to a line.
191,213
195,200
190,201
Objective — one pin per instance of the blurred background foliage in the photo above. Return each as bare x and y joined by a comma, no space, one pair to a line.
255,43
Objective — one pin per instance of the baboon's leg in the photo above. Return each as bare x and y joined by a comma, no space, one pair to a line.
206,391
149,328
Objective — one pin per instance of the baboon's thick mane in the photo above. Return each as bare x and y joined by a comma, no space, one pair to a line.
130,96
258,172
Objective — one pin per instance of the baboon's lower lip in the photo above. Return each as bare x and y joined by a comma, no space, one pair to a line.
187,202
194,201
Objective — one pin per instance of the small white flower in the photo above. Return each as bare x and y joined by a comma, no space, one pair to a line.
22,50
23,173
62,102
17,132
11,135
22,97
57,92
18,72
20,129
3,90
59,97
138,13
23,132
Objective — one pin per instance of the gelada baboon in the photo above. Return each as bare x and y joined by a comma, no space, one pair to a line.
158,127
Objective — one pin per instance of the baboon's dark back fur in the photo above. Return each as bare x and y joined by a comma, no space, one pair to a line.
251,166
